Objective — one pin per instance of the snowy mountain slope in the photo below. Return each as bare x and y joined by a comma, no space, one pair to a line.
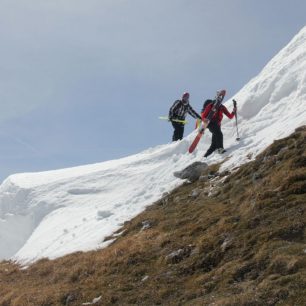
53,213
82,205
272,104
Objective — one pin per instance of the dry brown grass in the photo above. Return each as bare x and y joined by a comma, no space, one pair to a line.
242,245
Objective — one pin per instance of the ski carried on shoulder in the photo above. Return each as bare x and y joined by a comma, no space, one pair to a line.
218,101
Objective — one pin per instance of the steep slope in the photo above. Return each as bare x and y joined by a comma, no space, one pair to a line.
225,240
54,213
272,104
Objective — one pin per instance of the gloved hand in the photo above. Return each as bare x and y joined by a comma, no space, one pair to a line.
201,127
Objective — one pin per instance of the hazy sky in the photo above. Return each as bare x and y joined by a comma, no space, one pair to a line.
85,81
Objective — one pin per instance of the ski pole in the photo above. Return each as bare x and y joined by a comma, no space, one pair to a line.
174,120
235,105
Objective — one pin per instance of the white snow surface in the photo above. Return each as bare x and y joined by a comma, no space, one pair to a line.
53,213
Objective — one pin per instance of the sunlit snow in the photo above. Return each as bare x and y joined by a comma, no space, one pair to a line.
54,213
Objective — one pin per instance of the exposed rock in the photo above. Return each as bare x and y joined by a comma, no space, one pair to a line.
70,298
145,278
94,301
192,172
226,244
176,199
178,255
203,178
195,193
146,225
256,176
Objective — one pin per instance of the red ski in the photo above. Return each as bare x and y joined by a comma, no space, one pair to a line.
198,138
218,101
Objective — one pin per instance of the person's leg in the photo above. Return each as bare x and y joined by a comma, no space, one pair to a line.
174,136
178,131
181,131
219,137
212,128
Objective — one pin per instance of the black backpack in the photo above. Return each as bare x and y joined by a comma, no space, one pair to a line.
206,103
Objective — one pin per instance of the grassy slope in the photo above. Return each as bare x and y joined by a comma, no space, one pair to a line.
238,240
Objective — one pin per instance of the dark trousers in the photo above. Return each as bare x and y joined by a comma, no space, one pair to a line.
217,138
178,131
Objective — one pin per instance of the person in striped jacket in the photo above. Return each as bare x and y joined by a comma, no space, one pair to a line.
178,111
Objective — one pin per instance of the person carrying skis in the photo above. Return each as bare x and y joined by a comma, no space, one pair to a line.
214,125
178,111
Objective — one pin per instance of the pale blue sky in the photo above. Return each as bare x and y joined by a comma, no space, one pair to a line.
85,81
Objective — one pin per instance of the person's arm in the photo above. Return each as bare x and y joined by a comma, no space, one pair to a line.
227,113
193,113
